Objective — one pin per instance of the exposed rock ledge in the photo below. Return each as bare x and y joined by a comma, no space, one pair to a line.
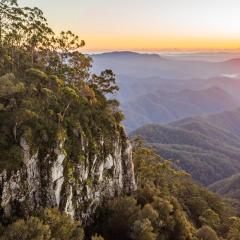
49,182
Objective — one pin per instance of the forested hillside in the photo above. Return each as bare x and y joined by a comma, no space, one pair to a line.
66,164
228,187
167,205
206,146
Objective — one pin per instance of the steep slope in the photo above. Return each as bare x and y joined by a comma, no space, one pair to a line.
207,147
62,144
164,107
59,148
227,121
167,196
229,187
76,188
184,209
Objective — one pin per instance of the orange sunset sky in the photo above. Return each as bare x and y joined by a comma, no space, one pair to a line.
146,25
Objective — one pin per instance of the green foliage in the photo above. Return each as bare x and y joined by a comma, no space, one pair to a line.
96,237
61,225
51,224
208,152
210,218
234,230
47,96
46,87
30,229
9,85
121,214
105,83
12,157
207,233
167,205
143,230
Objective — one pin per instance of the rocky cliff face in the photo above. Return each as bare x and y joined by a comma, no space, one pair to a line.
48,178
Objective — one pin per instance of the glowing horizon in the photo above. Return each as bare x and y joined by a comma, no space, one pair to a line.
135,44
147,25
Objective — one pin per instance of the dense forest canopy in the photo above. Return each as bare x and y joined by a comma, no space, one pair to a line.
46,86
46,91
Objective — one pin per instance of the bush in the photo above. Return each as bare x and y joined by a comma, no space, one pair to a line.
206,233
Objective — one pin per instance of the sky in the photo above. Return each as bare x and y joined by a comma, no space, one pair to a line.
146,25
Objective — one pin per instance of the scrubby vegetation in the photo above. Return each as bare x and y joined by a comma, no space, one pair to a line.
50,224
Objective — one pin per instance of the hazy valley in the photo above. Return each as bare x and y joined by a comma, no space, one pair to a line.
155,89
117,145
185,106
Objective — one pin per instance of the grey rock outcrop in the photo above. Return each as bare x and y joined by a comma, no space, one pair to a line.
78,188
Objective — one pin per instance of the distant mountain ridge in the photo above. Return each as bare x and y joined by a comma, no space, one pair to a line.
163,107
161,89
228,187
233,61
149,65
206,148
127,54
227,121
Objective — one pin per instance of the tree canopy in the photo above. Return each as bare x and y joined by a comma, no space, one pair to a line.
46,86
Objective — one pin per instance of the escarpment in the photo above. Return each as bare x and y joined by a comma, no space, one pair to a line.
49,178
62,144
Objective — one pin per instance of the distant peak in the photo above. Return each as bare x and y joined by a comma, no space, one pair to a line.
210,89
128,54
233,61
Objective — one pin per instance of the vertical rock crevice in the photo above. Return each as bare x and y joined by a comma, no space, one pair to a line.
77,188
